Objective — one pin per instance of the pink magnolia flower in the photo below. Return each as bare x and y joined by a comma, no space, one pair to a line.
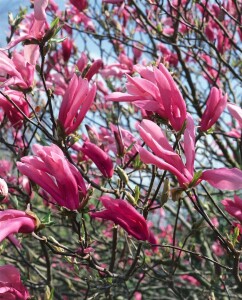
119,2
190,279
216,104
19,71
234,208
15,221
235,112
156,92
15,117
82,62
50,170
35,25
3,189
79,4
78,98
67,48
166,158
124,214
99,157
211,73
11,286
94,69
39,9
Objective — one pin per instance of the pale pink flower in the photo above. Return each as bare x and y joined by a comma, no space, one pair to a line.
3,189
50,170
39,9
11,287
77,100
235,112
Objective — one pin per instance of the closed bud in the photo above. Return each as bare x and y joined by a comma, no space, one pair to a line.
122,175
165,192
130,198
119,144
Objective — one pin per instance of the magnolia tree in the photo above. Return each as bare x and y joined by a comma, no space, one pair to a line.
121,150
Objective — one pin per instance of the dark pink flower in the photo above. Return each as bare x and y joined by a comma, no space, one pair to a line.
166,158
156,92
124,214
94,69
77,100
11,287
67,48
99,157
16,71
15,117
15,221
50,170
216,104
79,4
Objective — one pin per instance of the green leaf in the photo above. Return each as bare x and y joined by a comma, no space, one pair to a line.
196,177
47,219
136,193
57,40
130,147
54,23
234,237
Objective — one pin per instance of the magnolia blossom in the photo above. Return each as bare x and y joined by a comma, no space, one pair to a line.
166,158
19,71
79,4
15,117
156,92
99,157
77,100
14,221
216,104
67,48
3,189
50,170
11,287
234,208
124,214
235,112
39,9
94,69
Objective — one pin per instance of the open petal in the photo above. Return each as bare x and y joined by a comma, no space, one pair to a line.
224,179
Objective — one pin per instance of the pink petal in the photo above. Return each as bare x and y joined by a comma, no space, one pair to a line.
224,179
236,112
189,144
39,9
